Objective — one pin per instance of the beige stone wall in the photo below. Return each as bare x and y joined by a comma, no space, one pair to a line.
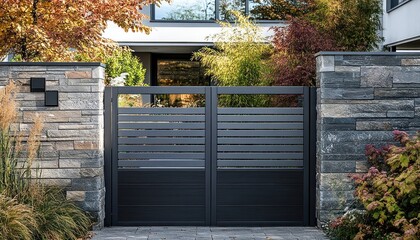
71,153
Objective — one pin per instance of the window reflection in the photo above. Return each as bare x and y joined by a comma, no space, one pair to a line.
180,72
225,6
186,10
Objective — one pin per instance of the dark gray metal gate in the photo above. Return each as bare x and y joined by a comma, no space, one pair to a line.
210,165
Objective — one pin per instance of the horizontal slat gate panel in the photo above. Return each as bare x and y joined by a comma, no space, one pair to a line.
161,133
251,126
161,148
260,118
161,163
161,118
178,111
262,140
260,133
162,140
260,163
260,155
158,125
262,111
260,148
183,155
260,137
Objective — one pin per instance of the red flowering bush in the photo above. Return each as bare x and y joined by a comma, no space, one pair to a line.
389,192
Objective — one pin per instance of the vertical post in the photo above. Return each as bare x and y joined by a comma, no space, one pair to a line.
208,148
306,153
114,159
214,103
108,154
312,157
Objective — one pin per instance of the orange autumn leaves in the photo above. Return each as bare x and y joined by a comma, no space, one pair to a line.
58,30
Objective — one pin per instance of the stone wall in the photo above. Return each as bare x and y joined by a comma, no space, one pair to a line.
71,152
361,98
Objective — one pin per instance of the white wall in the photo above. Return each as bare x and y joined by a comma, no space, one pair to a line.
172,34
402,23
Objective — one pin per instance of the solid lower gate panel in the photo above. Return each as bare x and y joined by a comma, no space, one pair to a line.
161,197
259,197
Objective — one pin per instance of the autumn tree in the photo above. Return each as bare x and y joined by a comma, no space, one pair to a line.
58,30
324,25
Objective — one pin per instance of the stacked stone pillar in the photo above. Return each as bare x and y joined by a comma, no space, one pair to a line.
71,154
362,98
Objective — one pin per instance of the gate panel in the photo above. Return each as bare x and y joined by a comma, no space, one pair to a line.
208,165
160,163
260,163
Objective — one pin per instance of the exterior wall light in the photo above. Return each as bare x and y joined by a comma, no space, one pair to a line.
51,98
37,84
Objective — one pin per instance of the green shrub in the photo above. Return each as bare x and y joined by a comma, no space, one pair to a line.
239,58
390,191
17,221
123,61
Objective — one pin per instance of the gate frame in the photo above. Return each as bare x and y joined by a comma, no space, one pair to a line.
211,96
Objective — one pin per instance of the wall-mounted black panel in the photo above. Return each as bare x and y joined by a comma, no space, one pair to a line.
51,98
37,84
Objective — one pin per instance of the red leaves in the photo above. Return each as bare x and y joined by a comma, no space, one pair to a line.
295,47
401,136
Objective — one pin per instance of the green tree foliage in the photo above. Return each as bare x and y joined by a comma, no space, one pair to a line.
354,25
123,61
239,55
239,58
324,25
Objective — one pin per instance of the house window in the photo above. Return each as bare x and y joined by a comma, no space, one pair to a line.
395,3
211,10
225,6
181,10
178,70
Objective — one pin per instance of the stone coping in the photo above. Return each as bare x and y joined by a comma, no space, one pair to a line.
69,64
326,53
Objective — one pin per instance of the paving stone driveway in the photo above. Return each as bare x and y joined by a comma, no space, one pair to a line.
209,233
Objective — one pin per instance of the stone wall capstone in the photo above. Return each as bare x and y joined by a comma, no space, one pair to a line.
362,98
71,153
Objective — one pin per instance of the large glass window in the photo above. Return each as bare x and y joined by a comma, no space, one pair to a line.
186,10
205,10
179,70
394,3
225,6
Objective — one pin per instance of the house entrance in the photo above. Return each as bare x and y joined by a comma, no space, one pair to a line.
239,156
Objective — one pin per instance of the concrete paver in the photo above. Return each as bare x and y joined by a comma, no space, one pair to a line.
210,233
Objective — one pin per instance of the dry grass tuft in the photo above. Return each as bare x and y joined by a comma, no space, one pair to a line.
17,221
8,111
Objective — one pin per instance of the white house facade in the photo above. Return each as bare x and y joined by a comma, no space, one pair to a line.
179,29
401,25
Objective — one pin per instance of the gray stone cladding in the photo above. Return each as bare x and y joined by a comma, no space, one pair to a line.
361,98
71,153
